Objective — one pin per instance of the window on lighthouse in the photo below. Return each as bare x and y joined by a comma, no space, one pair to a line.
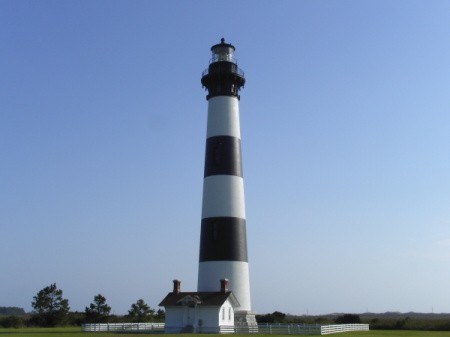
223,54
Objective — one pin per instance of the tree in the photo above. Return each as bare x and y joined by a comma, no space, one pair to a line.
348,319
141,312
50,308
98,311
160,315
12,321
275,317
13,311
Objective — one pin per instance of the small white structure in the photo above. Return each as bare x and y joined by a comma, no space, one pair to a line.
200,312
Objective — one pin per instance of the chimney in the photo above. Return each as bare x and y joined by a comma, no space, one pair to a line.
176,286
224,285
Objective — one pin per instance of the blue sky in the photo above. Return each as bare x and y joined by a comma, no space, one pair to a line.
345,137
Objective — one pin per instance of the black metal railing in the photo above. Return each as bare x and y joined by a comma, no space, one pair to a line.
235,70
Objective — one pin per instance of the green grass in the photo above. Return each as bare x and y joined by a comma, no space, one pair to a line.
394,333
75,332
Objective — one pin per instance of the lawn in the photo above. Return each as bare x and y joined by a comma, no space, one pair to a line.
75,332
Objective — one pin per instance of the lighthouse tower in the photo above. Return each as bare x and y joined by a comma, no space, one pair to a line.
223,242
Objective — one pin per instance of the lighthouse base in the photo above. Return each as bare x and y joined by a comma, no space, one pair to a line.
245,322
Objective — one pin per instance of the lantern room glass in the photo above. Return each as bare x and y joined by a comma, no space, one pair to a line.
223,52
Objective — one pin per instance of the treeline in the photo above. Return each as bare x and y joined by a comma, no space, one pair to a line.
15,311
382,321
279,317
51,309
74,318
408,321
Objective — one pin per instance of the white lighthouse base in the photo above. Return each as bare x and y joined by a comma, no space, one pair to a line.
245,322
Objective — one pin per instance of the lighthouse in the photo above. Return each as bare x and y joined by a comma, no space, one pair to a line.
223,241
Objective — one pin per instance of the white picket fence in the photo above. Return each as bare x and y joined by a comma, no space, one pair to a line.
289,329
123,327
309,329
277,329
328,329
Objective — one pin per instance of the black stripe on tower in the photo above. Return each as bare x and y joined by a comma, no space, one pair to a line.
223,156
223,239
223,79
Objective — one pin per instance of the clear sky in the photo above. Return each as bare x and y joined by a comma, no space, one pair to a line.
345,121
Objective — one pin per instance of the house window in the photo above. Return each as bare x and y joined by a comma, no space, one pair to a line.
229,314
223,313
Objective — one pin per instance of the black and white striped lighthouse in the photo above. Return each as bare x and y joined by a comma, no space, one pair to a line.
223,242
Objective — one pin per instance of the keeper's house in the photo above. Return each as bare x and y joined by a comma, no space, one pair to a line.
200,312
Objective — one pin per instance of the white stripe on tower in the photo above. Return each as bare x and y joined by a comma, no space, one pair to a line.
224,118
223,242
